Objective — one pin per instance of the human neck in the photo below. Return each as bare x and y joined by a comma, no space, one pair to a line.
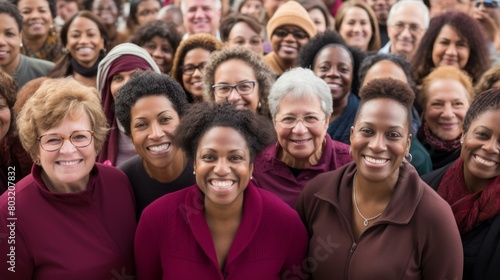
169,173
294,162
286,64
473,183
374,191
66,188
215,213
339,108
34,44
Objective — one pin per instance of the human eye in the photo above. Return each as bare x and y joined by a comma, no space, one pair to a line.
188,68
311,119
288,120
366,131
79,137
223,88
149,45
165,120
235,158
207,157
255,41
436,104
52,139
239,42
117,78
482,135
394,134
458,104
324,67
166,49
140,125
244,87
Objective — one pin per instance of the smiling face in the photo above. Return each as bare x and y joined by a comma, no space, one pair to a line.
450,49
69,167
405,41
252,7
5,117
36,18
481,148
201,16
10,39
319,20
223,166
287,48
153,122
66,9
147,11
300,143
356,29
380,139
84,41
445,110
232,72
161,51
241,35
106,10
334,65
118,80
192,83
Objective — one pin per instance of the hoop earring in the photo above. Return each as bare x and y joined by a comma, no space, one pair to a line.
408,157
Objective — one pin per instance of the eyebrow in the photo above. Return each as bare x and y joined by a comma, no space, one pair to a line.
160,113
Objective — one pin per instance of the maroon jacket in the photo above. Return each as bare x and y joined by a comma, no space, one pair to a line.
415,238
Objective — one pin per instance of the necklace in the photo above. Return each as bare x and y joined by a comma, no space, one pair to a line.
365,223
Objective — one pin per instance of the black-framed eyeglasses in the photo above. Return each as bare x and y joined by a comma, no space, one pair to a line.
400,26
297,34
189,69
243,88
53,142
488,4
308,121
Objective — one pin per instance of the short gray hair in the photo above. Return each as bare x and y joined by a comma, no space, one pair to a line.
402,3
218,5
297,83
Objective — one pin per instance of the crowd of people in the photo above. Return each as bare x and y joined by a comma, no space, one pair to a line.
249,139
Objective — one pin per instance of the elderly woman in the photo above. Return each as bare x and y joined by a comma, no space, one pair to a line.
20,67
62,126
238,76
113,72
378,208
223,227
15,163
84,38
109,11
445,97
301,104
395,66
150,108
40,38
337,64
189,63
288,30
239,30
471,185
453,39
357,24
161,40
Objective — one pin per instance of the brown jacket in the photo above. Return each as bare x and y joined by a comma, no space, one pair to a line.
415,238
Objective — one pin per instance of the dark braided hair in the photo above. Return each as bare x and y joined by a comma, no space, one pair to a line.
486,101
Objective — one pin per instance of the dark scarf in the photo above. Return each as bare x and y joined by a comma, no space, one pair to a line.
470,209
439,144
86,72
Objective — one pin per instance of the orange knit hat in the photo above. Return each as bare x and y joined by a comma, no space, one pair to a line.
291,13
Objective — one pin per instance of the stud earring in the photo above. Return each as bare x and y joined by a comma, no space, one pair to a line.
194,172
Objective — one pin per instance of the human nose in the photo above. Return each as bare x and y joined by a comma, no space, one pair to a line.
67,147
356,27
447,111
451,50
233,95
377,144
199,13
156,131
221,167
492,146
299,127
157,52
333,72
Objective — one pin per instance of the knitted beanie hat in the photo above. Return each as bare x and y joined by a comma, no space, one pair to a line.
291,13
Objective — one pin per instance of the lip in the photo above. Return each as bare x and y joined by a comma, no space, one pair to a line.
449,61
484,161
222,186
159,149
288,48
3,54
447,126
376,162
69,163
300,142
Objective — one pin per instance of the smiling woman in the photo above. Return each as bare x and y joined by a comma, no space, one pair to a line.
222,227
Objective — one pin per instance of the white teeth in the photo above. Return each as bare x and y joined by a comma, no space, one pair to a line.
159,148
484,161
84,50
374,160
334,85
300,141
222,184
2,53
68,163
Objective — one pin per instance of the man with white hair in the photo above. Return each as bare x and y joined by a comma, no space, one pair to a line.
201,16
406,25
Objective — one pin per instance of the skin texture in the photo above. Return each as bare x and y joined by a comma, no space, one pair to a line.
252,7
67,169
201,16
66,9
272,5
242,35
406,42
445,110
288,48
232,72
450,49
356,29
481,150
380,140
36,18
381,8
106,10
192,83
301,146
153,122
223,167
147,11
335,66
84,41
10,39
385,69
118,80
161,51
319,20
441,6
5,117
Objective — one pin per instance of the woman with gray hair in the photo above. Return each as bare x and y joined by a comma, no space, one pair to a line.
239,76
300,105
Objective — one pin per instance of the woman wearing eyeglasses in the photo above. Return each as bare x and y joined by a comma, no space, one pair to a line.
72,218
189,62
288,29
239,76
300,104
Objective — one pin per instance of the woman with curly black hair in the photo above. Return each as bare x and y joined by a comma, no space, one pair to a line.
223,227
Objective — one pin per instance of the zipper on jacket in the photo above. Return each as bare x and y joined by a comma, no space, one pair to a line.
351,252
